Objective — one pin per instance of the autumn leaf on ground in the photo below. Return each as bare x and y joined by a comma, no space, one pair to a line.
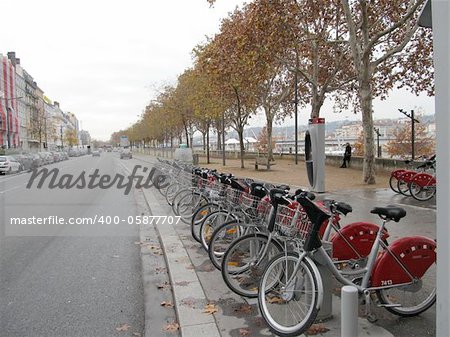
210,309
171,327
163,285
190,267
244,308
166,304
316,329
273,300
123,328
160,270
182,283
244,332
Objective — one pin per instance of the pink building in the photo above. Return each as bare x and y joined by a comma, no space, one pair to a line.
9,120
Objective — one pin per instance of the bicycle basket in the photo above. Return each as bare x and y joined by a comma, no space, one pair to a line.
292,221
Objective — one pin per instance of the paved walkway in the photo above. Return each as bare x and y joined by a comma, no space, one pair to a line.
196,283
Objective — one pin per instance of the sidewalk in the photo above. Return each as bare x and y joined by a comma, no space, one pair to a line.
196,283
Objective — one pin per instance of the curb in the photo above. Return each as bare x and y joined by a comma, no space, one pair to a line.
188,293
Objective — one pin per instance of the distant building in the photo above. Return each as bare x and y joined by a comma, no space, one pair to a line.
85,138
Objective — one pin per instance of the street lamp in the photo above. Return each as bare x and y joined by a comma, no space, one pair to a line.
413,120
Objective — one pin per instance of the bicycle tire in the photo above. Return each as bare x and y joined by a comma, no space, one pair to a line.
243,265
198,217
276,298
189,204
403,186
211,222
171,192
181,193
411,293
223,237
423,188
393,183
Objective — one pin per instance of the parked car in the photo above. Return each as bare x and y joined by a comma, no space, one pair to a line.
126,153
95,153
9,164
25,160
37,160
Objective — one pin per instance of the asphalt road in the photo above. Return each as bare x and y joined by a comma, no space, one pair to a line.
70,280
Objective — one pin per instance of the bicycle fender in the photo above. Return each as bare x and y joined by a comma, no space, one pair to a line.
319,280
424,179
407,176
355,240
417,253
397,173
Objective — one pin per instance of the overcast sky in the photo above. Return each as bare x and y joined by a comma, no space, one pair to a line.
103,60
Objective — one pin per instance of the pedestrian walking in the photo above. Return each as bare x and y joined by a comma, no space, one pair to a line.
347,155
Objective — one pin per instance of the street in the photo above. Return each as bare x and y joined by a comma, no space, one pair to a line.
70,280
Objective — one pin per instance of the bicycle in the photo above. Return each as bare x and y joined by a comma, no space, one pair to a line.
290,291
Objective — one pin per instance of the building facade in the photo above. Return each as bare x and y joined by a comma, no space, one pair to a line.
9,127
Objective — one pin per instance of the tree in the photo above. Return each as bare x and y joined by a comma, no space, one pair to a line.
379,33
400,146
70,137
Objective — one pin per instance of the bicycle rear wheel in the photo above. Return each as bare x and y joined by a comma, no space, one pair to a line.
411,300
245,260
423,186
393,181
288,296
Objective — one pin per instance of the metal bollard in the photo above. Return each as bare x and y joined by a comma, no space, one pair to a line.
325,312
349,311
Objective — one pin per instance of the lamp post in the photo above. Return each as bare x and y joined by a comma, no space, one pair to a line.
296,109
377,131
413,120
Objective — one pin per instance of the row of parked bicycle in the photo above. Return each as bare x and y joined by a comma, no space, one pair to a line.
418,182
266,241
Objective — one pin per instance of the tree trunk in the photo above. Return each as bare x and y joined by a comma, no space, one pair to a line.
204,141
207,146
241,145
219,140
365,96
269,138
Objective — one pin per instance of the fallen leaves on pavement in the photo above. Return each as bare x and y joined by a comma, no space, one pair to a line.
210,309
277,300
166,304
244,308
172,327
164,285
123,328
316,329
244,332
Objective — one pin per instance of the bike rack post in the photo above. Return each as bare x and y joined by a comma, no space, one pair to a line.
326,309
349,311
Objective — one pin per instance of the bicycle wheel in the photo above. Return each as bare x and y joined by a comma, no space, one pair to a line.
181,193
423,186
199,216
189,204
288,297
245,260
222,238
411,300
211,222
171,192
393,181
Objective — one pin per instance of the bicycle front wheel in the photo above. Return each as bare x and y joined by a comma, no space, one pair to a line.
211,222
222,238
245,260
199,215
288,296
189,204
423,186
411,300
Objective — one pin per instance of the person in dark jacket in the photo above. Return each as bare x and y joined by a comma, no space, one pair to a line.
347,155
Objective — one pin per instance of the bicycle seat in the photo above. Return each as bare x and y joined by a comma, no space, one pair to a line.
344,208
283,187
258,190
389,212
300,193
277,196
